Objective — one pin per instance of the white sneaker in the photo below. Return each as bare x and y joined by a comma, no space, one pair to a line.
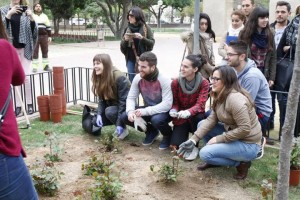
193,155
124,134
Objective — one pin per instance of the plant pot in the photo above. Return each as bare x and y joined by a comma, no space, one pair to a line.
43,101
56,117
55,102
58,69
294,177
63,99
44,108
45,116
58,78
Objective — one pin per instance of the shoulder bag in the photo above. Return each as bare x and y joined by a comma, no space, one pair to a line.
284,72
5,107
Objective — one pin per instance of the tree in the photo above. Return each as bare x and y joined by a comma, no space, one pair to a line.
288,128
62,9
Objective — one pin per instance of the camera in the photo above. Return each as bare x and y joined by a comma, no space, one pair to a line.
23,8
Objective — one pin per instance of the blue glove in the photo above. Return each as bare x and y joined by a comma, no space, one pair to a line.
119,130
99,121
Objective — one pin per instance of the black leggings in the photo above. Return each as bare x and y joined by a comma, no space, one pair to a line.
181,132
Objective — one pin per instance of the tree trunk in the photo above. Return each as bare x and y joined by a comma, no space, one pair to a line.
56,25
282,192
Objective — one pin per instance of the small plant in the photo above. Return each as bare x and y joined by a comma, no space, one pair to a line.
168,173
107,185
55,149
267,189
110,142
96,165
45,177
295,156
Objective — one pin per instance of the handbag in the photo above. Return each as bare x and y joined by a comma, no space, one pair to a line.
5,107
284,73
89,121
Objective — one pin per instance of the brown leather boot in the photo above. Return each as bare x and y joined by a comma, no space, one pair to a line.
205,166
242,169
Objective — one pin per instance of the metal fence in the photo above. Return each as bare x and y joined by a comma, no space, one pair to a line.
77,86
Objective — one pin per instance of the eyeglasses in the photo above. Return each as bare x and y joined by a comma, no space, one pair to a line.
214,79
130,15
232,54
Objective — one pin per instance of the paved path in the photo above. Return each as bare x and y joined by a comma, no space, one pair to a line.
168,48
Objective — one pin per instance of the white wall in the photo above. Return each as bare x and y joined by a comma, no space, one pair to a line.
219,13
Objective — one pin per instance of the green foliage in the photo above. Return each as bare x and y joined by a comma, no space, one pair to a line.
107,185
45,177
96,165
267,189
168,173
54,148
295,156
110,142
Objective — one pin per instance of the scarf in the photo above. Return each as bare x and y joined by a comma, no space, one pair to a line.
234,32
260,39
153,76
292,31
186,88
134,28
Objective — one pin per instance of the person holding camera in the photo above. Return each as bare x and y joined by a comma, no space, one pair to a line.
137,39
22,34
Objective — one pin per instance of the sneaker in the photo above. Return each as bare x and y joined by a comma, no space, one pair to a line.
193,155
30,109
34,70
123,135
165,143
18,111
260,153
150,138
47,68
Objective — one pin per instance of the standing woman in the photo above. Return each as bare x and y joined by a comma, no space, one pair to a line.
190,93
15,180
232,132
206,39
260,40
22,34
137,39
111,86
232,34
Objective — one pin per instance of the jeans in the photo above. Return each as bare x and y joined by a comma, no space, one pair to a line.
263,123
181,132
226,154
282,103
15,180
157,122
131,69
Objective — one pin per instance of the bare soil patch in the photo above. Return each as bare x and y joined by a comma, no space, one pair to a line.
138,181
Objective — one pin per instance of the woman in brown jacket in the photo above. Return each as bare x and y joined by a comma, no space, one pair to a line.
232,132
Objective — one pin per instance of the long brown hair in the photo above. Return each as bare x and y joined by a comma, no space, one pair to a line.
3,34
103,83
252,25
230,81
